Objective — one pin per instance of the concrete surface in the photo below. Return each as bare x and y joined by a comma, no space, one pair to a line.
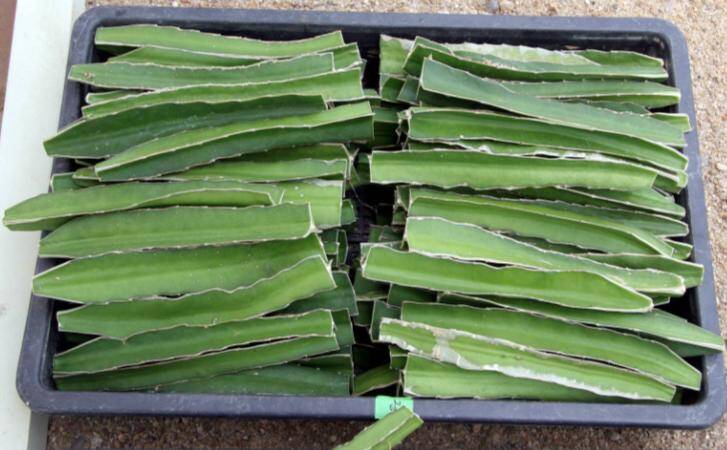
705,24
7,14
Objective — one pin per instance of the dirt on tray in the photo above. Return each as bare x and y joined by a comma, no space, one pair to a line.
705,25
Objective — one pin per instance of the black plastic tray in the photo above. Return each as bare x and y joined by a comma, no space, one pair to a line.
655,37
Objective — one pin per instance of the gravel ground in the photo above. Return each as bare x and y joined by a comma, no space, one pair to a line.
705,25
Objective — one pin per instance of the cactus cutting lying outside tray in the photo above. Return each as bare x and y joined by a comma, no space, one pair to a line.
386,433
494,222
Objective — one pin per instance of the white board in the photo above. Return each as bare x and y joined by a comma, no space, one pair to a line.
41,37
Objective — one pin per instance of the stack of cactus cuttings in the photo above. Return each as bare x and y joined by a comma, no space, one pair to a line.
494,222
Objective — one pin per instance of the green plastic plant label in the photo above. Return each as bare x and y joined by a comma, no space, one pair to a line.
385,405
